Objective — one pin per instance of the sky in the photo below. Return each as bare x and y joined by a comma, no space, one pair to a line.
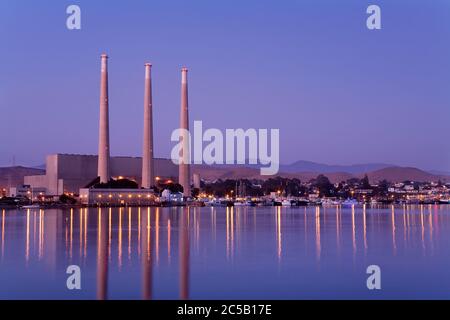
338,92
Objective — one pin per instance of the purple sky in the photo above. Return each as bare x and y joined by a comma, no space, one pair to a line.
339,93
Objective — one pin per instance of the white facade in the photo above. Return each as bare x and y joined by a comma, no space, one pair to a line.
122,197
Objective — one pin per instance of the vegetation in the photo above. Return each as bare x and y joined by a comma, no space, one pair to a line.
320,185
67,199
174,187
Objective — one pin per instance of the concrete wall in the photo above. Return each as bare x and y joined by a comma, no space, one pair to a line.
36,181
69,173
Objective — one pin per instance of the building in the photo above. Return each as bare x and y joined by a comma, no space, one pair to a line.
117,197
167,196
27,191
68,173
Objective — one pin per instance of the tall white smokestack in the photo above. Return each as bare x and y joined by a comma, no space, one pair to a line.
103,137
184,168
147,152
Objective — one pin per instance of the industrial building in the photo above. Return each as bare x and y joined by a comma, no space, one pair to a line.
68,173
117,197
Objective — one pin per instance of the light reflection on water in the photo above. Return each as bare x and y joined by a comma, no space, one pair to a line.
230,253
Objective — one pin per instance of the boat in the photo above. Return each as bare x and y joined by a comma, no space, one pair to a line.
247,203
196,204
251,203
301,202
215,203
31,206
444,201
286,203
330,202
349,203
317,202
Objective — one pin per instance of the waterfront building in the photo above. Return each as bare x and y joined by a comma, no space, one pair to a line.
116,197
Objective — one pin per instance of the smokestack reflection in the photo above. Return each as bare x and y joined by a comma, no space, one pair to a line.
184,249
102,256
146,256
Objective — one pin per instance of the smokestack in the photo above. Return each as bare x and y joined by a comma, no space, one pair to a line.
183,167
196,178
147,156
103,137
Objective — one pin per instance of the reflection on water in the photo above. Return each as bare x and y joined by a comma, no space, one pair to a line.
102,254
242,252
184,249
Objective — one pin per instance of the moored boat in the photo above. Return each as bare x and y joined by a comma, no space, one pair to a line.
31,206
349,203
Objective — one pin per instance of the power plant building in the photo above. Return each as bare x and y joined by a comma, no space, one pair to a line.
68,173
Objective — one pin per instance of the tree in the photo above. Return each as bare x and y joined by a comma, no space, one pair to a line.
382,189
365,182
174,187
195,192
323,184
67,199
353,181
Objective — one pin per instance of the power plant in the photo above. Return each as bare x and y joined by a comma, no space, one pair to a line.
67,173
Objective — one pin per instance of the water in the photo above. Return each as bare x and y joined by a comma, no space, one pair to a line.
226,253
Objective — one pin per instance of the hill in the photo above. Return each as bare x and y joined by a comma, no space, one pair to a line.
13,176
393,174
403,174
308,166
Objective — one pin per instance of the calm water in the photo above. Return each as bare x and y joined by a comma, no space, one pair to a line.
220,253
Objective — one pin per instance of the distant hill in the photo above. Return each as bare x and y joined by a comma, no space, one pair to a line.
394,174
41,166
403,174
238,172
13,176
308,166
